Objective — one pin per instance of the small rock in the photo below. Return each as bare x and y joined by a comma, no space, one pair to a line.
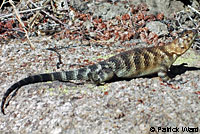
57,130
88,24
157,27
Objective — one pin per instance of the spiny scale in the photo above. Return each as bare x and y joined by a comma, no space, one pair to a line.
129,64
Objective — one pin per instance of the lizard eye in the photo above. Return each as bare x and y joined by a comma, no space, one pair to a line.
187,35
182,47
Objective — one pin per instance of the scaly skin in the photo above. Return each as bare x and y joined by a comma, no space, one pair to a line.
129,64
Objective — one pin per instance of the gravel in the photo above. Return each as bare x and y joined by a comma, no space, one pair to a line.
135,106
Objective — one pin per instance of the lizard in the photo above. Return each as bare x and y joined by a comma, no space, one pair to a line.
132,63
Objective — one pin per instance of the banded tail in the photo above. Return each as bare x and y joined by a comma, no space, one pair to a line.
97,73
80,74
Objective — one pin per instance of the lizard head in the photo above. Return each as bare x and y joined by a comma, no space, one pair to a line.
181,44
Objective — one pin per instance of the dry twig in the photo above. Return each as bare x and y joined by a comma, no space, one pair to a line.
25,11
2,3
54,18
194,9
21,22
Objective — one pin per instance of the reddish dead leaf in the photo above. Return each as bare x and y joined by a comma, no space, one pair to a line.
9,25
67,32
100,59
118,18
153,35
141,23
107,34
106,93
120,50
122,37
117,36
20,26
143,37
87,61
174,87
140,16
160,16
82,16
197,92
118,28
149,18
144,29
79,60
143,7
82,53
130,35
125,17
162,83
100,20
102,26
153,38
161,44
97,20
148,41
170,85
130,44
1,25
133,10
140,101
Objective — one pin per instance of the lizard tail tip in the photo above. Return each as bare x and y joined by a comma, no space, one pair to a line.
2,110
2,106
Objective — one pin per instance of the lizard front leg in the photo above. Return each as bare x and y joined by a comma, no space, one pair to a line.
163,73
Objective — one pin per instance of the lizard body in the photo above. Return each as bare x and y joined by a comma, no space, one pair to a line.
129,64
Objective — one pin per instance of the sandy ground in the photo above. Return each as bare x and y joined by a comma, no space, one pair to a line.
137,106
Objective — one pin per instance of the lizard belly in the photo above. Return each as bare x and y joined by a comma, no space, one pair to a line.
148,72
137,73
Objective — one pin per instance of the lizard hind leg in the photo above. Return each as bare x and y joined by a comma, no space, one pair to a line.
100,77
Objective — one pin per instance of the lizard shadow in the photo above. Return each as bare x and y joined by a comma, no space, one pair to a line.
174,71
180,69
